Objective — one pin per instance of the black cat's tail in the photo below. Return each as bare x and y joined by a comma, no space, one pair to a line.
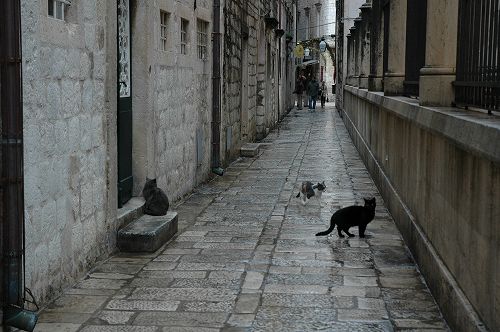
328,231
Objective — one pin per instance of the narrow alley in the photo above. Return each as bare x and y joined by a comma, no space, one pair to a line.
246,257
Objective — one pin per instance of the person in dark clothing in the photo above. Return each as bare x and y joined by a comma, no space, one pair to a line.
313,91
300,87
322,93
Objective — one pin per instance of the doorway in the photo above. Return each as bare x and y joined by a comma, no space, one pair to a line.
124,120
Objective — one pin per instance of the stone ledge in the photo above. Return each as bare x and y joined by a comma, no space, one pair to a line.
473,131
249,150
130,211
457,309
148,233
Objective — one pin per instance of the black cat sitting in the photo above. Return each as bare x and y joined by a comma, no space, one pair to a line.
352,216
156,201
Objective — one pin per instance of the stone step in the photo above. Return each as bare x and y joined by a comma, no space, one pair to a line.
148,233
249,150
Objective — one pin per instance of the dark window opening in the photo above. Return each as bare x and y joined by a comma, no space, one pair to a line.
416,28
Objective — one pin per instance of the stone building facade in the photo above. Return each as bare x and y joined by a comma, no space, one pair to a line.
428,128
316,20
71,130
70,137
101,77
256,61
172,100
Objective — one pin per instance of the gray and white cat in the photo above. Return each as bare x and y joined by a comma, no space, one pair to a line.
308,190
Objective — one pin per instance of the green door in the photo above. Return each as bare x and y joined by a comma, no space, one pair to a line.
125,180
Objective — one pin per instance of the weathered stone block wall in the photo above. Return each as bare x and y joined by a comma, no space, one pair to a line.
66,118
439,172
262,98
253,22
172,101
231,77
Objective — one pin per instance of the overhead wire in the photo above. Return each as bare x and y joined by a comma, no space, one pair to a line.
317,26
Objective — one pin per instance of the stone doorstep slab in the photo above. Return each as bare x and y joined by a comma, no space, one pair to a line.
148,233
249,150
131,211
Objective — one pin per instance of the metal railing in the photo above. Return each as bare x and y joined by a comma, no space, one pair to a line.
478,55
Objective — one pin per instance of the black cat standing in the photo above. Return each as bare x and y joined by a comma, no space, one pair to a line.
352,216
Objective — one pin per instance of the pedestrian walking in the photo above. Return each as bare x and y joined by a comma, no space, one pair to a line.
322,93
300,86
312,92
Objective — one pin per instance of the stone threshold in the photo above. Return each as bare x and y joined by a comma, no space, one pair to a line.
454,304
471,130
131,211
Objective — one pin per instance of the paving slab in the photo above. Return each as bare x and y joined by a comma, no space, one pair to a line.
246,257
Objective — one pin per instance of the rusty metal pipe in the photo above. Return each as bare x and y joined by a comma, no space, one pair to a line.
11,181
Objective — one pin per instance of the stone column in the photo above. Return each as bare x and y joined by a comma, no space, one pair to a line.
348,60
376,48
318,19
364,69
439,72
395,75
308,23
358,40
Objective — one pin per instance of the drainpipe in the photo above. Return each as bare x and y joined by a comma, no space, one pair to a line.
216,97
12,182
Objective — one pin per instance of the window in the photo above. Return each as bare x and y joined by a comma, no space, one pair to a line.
163,30
202,39
184,35
56,8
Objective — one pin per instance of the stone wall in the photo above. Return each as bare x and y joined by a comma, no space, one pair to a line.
172,103
251,71
439,172
234,13
70,107
67,102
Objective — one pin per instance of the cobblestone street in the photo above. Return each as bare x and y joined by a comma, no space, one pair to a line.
246,257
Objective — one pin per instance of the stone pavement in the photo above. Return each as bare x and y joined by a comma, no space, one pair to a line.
246,257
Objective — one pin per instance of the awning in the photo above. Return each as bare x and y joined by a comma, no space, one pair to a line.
309,63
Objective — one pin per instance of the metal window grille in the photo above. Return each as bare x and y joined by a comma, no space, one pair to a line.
478,56
416,28
163,30
202,39
56,8
184,35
